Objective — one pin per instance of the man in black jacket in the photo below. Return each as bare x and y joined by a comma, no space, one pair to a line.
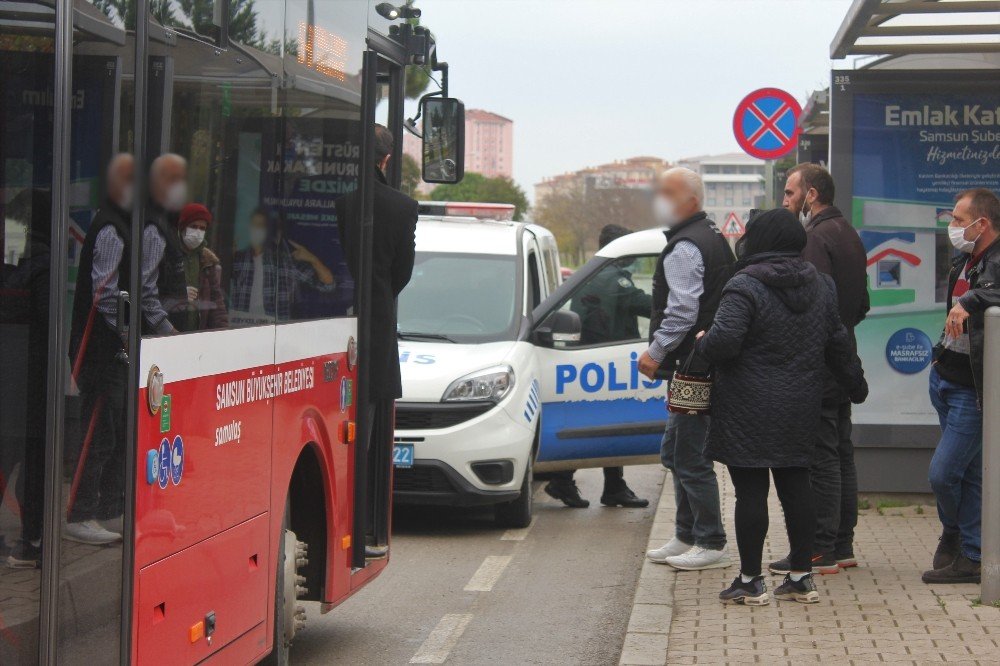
834,248
956,387
687,285
394,223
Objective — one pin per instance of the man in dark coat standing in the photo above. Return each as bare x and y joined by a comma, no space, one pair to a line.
394,223
834,248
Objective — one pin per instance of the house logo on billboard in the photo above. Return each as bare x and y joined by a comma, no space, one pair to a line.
890,261
943,217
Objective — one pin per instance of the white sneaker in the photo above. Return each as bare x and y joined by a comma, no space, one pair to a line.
115,524
90,531
699,558
673,547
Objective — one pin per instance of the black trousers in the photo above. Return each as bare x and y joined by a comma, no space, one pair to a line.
100,491
752,486
835,483
614,478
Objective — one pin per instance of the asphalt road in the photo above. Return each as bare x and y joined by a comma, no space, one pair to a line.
460,591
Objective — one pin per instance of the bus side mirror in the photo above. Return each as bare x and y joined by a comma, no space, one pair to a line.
444,140
562,326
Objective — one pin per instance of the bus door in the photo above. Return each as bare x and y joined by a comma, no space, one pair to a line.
70,177
383,99
597,410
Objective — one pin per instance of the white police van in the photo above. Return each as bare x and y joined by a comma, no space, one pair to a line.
496,380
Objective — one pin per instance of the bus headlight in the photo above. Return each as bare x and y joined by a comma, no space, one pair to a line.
490,384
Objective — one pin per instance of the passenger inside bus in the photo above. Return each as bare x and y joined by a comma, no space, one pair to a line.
268,274
202,305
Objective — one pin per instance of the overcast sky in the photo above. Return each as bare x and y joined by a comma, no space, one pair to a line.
591,81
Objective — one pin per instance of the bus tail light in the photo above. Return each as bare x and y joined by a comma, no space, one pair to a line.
349,431
197,631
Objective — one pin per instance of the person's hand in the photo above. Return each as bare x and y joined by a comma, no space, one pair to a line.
192,294
700,335
956,319
299,253
648,366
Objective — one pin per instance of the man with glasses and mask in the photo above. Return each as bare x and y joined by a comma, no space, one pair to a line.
956,387
834,248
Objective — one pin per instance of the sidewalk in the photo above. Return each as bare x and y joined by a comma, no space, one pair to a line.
879,612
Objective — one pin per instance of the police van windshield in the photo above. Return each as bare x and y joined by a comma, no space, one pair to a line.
460,298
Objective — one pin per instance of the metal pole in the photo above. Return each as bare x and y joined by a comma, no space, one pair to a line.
769,184
990,592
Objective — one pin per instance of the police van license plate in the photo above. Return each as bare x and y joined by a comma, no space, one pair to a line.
402,455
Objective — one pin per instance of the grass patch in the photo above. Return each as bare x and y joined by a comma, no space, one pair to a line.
893,504
863,504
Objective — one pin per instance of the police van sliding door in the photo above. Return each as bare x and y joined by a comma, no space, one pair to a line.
597,410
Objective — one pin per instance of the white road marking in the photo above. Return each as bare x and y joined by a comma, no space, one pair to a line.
442,639
518,534
488,573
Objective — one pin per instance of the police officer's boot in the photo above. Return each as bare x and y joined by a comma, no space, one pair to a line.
567,493
623,497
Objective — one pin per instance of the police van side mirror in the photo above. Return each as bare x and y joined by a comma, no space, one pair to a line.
444,140
560,326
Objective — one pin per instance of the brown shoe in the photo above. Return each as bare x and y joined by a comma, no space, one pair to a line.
962,570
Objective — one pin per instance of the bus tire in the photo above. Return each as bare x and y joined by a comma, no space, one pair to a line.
289,615
517,513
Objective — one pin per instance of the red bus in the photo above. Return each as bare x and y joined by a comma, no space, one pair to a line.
183,457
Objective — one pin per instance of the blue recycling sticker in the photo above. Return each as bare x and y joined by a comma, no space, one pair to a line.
177,460
909,351
163,469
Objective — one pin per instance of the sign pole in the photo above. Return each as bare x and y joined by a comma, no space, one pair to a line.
769,184
990,585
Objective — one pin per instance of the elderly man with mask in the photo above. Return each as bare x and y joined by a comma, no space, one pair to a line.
95,513
687,285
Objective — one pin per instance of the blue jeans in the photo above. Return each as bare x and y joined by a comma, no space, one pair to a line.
696,490
956,473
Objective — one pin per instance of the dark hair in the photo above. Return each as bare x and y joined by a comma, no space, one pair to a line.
612,232
776,230
983,203
383,142
815,177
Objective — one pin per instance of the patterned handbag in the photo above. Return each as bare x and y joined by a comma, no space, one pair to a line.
689,394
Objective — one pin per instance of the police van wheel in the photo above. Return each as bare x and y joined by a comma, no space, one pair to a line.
517,513
289,616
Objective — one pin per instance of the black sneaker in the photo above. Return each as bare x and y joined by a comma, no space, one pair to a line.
24,555
780,567
962,570
825,564
624,497
845,559
753,593
802,591
567,493
948,550
821,564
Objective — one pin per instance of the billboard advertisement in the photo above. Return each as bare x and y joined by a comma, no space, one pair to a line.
903,144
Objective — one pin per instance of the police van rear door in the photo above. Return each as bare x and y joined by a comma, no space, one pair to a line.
597,409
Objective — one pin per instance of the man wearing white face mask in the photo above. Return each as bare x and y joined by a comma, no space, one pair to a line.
956,387
201,306
687,285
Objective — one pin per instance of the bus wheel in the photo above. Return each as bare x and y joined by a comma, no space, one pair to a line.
289,615
518,512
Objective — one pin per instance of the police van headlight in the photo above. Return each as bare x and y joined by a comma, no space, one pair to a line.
490,384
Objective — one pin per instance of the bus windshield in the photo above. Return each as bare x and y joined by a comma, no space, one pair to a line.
460,297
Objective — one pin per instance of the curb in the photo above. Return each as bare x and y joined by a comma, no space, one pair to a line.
648,633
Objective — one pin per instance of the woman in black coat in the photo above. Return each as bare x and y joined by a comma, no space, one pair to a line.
776,330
